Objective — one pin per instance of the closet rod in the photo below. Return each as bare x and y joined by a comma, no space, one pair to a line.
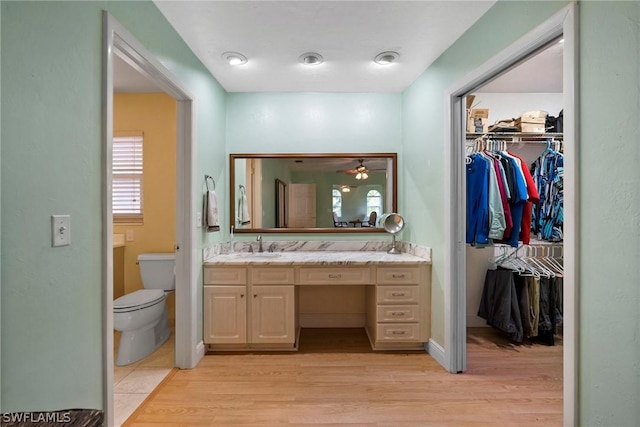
516,136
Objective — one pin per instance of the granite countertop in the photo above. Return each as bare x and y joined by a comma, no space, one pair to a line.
313,258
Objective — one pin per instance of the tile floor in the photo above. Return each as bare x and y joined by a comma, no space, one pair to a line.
133,383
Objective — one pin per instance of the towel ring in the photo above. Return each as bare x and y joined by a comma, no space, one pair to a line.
242,189
206,180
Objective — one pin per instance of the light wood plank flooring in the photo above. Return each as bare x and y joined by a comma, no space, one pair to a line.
335,380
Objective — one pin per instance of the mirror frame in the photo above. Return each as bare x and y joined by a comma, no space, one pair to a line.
232,193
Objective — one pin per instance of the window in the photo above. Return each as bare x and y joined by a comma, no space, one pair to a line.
127,178
374,202
337,202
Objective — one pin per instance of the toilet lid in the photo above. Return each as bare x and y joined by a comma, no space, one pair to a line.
138,298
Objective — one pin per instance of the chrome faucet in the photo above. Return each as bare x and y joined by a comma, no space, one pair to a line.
259,240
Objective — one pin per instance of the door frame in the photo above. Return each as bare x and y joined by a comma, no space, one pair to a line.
564,23
189,348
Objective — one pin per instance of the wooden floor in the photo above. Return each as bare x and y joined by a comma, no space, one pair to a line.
336,380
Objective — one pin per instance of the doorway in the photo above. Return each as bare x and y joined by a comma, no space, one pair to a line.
562,24
188,350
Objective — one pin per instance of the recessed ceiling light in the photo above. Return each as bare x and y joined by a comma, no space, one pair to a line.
234,58
311,58
386,58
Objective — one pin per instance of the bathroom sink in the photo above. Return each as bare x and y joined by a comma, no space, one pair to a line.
261,255
257,255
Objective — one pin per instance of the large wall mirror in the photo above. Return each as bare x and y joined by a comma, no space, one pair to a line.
312,192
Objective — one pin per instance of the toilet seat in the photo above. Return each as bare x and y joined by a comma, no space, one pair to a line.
138,300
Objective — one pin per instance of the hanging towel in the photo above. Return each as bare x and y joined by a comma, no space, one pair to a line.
243,210
211,211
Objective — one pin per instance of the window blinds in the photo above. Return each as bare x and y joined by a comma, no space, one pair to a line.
127,178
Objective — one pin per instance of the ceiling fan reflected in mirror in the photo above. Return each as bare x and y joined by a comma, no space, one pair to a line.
347,188
361,172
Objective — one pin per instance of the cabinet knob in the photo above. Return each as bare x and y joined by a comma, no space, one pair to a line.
255,295
241,295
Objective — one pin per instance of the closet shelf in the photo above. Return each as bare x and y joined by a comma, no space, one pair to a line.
516,136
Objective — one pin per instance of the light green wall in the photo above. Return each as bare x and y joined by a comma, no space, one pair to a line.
313,122
609,295
51,162
609,291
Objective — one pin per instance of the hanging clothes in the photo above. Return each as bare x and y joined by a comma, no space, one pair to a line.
477,200
522,306
500,194
548,214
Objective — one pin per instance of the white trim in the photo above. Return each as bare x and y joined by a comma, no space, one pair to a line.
563,23
116,39
436,351
571,211
107,222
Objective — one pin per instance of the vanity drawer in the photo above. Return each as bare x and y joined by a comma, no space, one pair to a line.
225,276
398,332
397,313
335,276
398,275
272,276
397,294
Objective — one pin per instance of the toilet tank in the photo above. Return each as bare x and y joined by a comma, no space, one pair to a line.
158,270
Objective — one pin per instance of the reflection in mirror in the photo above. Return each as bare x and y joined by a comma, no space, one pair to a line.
311,193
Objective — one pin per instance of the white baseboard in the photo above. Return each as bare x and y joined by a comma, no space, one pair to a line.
199,354
436,351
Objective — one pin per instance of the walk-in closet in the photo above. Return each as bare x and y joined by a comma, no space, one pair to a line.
514,198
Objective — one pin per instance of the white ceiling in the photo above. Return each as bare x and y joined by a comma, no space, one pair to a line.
348,34
540,73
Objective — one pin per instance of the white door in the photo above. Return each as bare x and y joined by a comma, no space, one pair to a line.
302,205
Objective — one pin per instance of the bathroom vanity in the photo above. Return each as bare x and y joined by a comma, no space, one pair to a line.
261,300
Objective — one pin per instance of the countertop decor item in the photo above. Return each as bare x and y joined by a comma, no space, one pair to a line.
393,223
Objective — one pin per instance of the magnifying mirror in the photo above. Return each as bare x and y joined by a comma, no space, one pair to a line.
393,223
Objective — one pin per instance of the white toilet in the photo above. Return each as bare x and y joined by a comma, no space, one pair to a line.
141,316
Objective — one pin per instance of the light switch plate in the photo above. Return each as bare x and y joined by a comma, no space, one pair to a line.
60,230
198,219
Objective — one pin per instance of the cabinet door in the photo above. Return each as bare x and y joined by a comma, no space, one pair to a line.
272,315
225,315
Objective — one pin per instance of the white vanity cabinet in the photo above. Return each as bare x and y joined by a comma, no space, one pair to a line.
225,305
249,307
261,304
398,307
272,306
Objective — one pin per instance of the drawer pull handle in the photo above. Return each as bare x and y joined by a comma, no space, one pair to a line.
398,276
397,332
397,313
335,276
398,294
